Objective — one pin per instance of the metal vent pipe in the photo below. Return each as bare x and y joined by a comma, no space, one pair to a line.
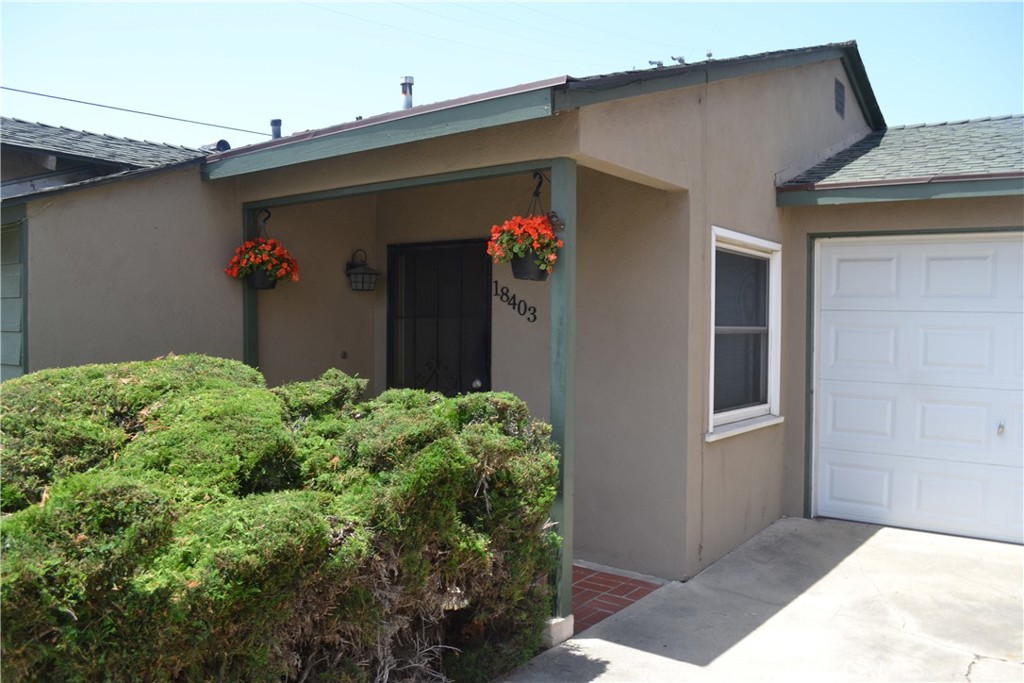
406,92
275,128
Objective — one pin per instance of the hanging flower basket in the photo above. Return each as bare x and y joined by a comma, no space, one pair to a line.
260,279
525,268
262,262
531,239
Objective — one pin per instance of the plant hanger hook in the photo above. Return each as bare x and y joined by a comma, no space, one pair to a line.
261,223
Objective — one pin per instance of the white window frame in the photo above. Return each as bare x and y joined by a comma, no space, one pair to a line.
744,419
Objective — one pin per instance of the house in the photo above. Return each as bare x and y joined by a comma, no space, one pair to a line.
38,158
769,302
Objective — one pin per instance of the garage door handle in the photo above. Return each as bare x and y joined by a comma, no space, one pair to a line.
1001,428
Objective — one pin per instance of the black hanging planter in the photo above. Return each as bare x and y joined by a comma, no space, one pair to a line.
526,268
260,279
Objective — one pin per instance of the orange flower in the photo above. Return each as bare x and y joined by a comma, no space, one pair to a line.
264,254
529,236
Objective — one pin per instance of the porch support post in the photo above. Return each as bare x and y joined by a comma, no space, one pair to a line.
563,372
250,312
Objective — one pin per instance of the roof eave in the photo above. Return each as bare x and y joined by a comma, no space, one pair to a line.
907,189
523,103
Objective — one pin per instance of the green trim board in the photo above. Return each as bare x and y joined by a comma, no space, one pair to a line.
402,184
811,284
824,196
498,111
250,300
563,371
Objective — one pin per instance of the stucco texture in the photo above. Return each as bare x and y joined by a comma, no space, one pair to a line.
133,270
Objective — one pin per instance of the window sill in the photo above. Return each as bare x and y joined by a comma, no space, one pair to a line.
742,427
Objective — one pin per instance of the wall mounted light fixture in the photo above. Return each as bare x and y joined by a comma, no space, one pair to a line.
361,277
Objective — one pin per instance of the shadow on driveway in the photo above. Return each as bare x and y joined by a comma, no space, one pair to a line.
816,600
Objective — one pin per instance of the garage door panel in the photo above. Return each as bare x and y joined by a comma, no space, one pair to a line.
916,493
975,275
854,485
951,349
960,425
919,403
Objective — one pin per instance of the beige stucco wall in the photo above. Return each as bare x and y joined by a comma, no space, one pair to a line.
317,323
875,217
133,270
631,375
726,143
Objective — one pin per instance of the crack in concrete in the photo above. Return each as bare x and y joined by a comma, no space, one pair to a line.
970,667
892,607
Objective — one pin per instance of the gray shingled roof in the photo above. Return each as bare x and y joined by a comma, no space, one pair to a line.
980,147
106,148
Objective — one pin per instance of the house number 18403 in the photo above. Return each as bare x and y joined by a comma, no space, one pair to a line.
518,305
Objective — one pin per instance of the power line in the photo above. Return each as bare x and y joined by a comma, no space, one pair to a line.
517,36
134,111
406,30
529,7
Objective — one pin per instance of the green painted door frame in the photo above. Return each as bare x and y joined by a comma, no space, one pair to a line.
563,321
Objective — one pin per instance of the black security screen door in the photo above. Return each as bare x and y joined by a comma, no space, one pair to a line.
439,317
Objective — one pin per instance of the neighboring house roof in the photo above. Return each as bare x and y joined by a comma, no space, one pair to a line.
82,158
93,146
960,158
527,102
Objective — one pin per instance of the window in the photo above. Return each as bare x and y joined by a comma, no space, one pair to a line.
746,277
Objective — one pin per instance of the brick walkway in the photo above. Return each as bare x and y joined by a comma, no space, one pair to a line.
597,595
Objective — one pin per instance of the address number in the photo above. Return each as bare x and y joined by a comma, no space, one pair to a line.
518,305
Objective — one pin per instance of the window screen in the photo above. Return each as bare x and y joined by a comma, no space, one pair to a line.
741,330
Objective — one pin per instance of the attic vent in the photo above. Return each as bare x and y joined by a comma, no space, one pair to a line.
840,99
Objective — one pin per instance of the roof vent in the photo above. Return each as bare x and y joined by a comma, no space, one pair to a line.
840,99
275,128
219,146
406,92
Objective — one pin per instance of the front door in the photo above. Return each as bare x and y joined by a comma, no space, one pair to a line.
439,316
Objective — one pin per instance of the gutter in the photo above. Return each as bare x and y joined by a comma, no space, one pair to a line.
968,186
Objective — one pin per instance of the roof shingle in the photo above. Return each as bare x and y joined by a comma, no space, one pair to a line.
106,148
980,147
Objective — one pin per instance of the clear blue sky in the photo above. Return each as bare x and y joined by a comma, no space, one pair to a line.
314,64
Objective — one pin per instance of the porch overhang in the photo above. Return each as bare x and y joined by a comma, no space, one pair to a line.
908,189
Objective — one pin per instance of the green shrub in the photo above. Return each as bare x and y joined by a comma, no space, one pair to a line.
175,520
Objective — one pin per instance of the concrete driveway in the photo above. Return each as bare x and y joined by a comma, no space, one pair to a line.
817,600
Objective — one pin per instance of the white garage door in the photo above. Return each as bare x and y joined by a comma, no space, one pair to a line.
918,396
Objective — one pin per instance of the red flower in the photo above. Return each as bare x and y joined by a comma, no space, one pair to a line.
263,254
525,236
